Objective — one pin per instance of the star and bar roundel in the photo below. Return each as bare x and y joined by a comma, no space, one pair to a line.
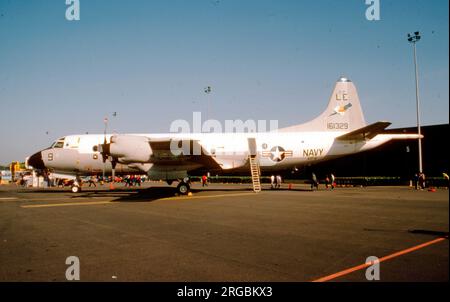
277,154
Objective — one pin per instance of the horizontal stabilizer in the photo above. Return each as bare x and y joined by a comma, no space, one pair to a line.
365,133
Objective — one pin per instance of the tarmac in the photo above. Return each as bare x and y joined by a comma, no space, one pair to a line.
224,233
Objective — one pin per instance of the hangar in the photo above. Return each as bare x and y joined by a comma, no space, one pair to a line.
395,158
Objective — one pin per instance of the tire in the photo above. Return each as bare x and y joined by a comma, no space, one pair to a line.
76,189
183,188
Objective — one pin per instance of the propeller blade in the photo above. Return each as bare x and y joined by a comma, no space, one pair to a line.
113,172
105,152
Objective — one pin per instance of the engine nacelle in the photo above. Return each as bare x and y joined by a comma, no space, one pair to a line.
130,149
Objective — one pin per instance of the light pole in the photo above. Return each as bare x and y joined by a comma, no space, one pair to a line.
208,92
414,38
105,121
114,115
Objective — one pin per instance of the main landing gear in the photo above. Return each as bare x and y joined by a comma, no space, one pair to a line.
184,186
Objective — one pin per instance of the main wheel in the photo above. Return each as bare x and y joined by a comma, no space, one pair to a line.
183,188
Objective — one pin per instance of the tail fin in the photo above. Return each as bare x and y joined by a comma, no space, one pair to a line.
343,113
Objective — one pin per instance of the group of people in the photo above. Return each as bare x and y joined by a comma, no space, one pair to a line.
132,180
129,180
275,182
419,181
25,180
330,181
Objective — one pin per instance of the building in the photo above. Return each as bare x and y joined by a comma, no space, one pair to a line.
396,158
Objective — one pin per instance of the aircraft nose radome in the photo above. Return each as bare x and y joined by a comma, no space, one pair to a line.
36,161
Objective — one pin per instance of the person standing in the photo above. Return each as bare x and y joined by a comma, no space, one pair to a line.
272,182
446,178
327,181
46,180
51,180
204,181
416,181
92,181
422,181
314,184
333,181
278,181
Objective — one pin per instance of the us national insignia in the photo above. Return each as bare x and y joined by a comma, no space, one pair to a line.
277,154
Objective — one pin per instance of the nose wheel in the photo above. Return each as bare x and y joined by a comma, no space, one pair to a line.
76,187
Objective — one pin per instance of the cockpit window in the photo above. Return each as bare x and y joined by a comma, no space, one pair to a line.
59,143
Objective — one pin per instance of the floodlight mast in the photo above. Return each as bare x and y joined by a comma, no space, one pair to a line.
414,38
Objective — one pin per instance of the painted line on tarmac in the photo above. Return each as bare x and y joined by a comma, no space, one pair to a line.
389,257
65,204
206,196
64,198
68,198
111,202
8,198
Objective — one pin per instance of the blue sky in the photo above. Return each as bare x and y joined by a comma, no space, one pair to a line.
149,61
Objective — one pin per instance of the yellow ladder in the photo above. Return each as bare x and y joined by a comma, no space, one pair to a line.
256,173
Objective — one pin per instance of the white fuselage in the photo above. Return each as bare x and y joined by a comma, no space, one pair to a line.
275,151
338,131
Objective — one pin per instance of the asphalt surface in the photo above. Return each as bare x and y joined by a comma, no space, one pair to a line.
224,233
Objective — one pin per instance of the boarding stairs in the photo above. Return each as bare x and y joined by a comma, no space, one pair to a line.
255,172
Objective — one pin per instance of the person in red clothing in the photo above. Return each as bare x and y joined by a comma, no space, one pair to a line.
204,181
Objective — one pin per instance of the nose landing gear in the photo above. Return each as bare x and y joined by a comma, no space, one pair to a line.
76,189
76,186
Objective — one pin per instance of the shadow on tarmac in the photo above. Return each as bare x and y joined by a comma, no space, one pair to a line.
417,232
431,233
147,194
136,194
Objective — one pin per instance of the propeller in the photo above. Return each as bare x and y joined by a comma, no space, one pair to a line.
105,150
113,170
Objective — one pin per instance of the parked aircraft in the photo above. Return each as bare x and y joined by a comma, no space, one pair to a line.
339,131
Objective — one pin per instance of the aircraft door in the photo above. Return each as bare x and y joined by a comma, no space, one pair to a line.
252,146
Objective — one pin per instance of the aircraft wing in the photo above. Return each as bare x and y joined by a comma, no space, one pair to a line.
192,153
365,133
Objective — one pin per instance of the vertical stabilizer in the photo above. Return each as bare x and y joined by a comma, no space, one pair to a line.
343,112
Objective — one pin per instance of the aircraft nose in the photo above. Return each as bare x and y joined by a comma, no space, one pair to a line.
36,161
